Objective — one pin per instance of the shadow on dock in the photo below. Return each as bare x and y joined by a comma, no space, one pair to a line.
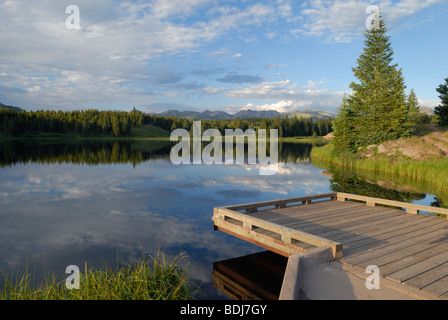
257,276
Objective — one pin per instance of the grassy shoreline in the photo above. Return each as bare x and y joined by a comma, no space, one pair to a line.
428,171
74,137
150,278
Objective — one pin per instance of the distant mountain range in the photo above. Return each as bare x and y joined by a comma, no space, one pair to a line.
222,115
243,114
10,107
427,110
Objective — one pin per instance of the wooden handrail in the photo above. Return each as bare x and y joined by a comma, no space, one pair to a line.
281,202
287,234
340,196
409,207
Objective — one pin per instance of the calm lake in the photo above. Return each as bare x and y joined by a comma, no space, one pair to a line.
110,202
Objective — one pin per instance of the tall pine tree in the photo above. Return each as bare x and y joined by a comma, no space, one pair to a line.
343,126
442,110
414,114
377,109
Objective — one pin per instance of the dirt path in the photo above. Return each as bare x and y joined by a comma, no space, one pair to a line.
436,142
437,138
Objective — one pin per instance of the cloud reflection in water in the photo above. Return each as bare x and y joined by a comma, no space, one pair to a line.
54,215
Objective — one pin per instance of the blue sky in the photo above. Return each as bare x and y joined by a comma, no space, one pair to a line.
208,54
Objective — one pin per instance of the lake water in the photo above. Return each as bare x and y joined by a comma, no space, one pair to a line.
109,202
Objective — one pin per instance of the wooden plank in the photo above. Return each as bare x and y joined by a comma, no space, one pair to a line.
368,246
368,227
358,216
376,236
338,223
390,232
397,260
290,214
408,273
384,246
394,244
335,217
300,210
440,287
428,277
413,255
382,218
329,215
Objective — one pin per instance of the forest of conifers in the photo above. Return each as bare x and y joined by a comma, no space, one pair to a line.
89,123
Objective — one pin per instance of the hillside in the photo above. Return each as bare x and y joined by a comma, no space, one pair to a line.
10,107
431,143
311,113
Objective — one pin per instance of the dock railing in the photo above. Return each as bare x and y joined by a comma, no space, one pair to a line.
408,207
287,234
243,215
282,203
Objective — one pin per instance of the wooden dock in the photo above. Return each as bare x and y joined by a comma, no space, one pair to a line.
407,247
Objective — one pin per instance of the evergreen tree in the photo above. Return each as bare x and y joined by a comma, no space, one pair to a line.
377,109
442,110
126,126
343,127
116,128
414,114
85,130
413,102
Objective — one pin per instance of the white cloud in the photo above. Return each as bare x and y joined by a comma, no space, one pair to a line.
288,96
280,106
273,65
311,84
114,58
341,21
431,103
284,182
107,60
161,9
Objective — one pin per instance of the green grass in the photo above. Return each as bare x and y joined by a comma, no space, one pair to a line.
151,278
149,131
434,172
145,132
318,140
